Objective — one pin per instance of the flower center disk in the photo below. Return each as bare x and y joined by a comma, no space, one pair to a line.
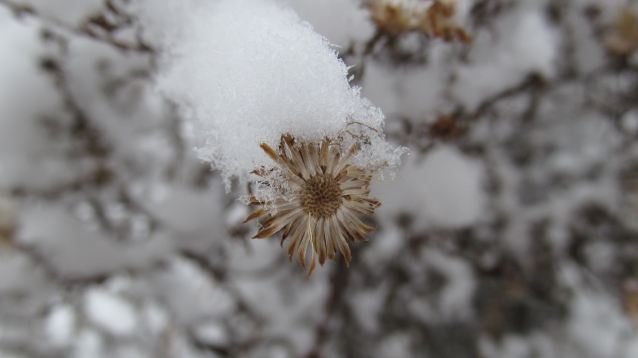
321,196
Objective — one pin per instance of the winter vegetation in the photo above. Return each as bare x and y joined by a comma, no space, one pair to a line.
319,178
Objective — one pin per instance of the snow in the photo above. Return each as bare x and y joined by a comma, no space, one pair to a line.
195,218
457,294
366,306
342,22
69,12
529,47
27,97
236,97
190,294
413,93
444,190
90,344
110,312
76,252
60,325
596,325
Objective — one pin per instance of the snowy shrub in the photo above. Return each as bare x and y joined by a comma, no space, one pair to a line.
473,161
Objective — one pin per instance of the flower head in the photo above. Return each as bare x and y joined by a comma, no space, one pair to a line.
435,18
326,194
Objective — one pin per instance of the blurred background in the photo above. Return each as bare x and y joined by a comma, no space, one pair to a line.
510,230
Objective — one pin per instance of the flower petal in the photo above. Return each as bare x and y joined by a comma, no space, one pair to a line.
296,159
290,174
312,264
330,231
303,246
297,236
289,229
320,241
359,225
310,160
256,215
362,208
344,161
275,223
341,241
347,227
356,192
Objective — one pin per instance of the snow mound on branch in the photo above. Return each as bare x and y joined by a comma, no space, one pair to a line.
245,72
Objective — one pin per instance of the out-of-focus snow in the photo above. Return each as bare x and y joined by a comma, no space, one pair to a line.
76,252
415,93
60,325
195,219
130,116
27,98
529,47
442,190
191,295
110,312
68,12
456,296
597,325
366,306
342,22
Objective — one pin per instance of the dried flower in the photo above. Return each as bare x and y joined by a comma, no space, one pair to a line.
444,128
435,19
622,39
327,193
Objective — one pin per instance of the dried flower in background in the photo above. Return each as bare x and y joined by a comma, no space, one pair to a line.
433,18
631,302
8,222
622,38
327,192
444,128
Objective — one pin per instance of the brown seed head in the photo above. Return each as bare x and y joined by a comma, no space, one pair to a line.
327,194
321,196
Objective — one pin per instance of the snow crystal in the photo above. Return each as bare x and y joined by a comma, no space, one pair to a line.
245,72
110,312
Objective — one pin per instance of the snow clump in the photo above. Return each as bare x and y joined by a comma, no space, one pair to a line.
245,72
